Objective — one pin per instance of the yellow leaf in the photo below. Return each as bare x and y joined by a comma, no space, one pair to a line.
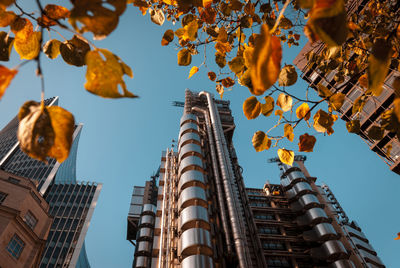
323,122
279,113
327,22
353,126
288,132
336,100
157,16
27,42
284,101
98,17
167,38
248,56
6,75
261,141
223,47
287,76
286,156
184,57
227,82
207,3
378,65
266,61
375,133
323,91
303,111
396,107
52,48
251,108
306,143
63,124
222,35
103,77
74,51
35,132
193,70
220,59
363,80
6,3
220,89
236,65
6,43
268,107
188,32
358,104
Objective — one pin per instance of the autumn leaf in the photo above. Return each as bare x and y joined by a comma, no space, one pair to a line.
141,4
6,17
98,17
327,22
363,80
184,57
279,113
323,91
6,43
268,107
51,14
193,70
27,42
261,141
378,65
35,132
288,132
211,76
74,51
323,122
284,101
287,76
227,82
208,15
104,76
353,126
223,47
220,89
286,156
336,101
52,48
6,76
396,86
306,143
220,59
358,104
207,3
167,38
303,111
236,65
251,108
398,236
157,16
375,133
266,61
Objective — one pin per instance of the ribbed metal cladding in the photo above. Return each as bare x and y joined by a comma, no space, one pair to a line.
191,178
342,264
193,216
143,248
195,241
142,262
192,196
190,137
330,250
321,232
149,209
144,233
190,149
190,163
197,261
188,127
188,117
146,220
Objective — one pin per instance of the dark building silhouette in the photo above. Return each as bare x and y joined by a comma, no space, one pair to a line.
196,211
71,203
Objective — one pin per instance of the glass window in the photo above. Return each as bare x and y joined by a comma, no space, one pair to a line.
30,219
15,246
137,199
272,245
2,197
138,190
275,263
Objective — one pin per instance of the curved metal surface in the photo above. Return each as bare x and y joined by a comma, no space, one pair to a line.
313,216
363,245
195,241
191,178
296,176
149,209
190,149
287,169
146,220
193,216
144,233
355,232
143,248
370,258
189,163
342,264
142,262
188,127
333,249
308,201
190,137
197,261
187,117
301,188
192,196
325,231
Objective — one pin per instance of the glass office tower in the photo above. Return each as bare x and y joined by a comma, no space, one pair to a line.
196,212
71,202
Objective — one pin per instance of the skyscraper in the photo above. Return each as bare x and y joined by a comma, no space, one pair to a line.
374,106
71,202
196,212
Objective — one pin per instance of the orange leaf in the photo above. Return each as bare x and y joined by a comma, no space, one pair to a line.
193,70
286,156
207,3
266,61
6,75
211,76
398,237
306,143
251,107
261,141
303,111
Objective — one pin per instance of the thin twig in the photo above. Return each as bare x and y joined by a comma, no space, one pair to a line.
280,16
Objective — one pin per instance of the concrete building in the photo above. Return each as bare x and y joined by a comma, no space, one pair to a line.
24,222
196,211
71,202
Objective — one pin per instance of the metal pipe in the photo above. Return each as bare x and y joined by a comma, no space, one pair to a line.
234,217
220,194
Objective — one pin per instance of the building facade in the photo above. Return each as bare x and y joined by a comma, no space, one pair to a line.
196,212
374,106
24,222
71,202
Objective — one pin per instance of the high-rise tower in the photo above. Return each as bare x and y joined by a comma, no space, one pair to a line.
71,202
199,213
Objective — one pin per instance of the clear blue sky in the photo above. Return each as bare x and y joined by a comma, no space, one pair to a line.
122,140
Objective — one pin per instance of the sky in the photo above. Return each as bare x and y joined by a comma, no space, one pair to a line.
122,139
